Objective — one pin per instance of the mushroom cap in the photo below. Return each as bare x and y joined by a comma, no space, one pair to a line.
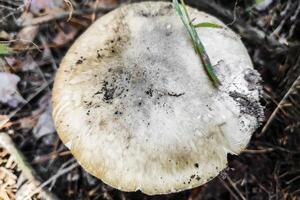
133,103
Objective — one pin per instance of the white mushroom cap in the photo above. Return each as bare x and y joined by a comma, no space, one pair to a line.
133,103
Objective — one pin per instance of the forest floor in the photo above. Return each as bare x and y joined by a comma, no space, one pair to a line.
39,32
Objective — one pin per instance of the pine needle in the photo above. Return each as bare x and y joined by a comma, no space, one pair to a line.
198,46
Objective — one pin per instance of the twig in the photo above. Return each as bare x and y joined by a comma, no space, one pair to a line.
70,5
22,40
235,188
255,151
234,14
11,13
293,179
61,167
286,15
228,188
293,19
8,8
281,103
50,156
54,177
15,3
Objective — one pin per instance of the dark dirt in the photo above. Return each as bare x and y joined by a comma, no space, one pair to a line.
248,106
162,12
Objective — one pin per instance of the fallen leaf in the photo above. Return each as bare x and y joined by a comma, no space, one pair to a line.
27,122
27,35
43,7
4,35
107,3
8,90
65,34
45,126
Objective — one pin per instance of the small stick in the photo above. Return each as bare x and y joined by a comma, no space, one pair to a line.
235,188
228,188
54,177
283,100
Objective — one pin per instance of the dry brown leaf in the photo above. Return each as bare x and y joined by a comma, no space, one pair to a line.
107,3
43,7
27,122
26,36
65,35
8,89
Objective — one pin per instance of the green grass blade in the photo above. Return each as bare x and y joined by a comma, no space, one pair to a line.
259,1
4,50
207,25
198,46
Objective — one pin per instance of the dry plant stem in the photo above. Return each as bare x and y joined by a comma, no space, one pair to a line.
279,106
229,189
53,178
70,5
20,8
235,188
28,172
257,151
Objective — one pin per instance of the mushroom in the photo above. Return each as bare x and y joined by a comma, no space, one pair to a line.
134,105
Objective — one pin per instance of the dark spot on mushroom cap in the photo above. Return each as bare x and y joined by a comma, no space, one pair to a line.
156,13
108,92
196,165
149,92
248,105
79,61
118,113
102,124
173,94
253,78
